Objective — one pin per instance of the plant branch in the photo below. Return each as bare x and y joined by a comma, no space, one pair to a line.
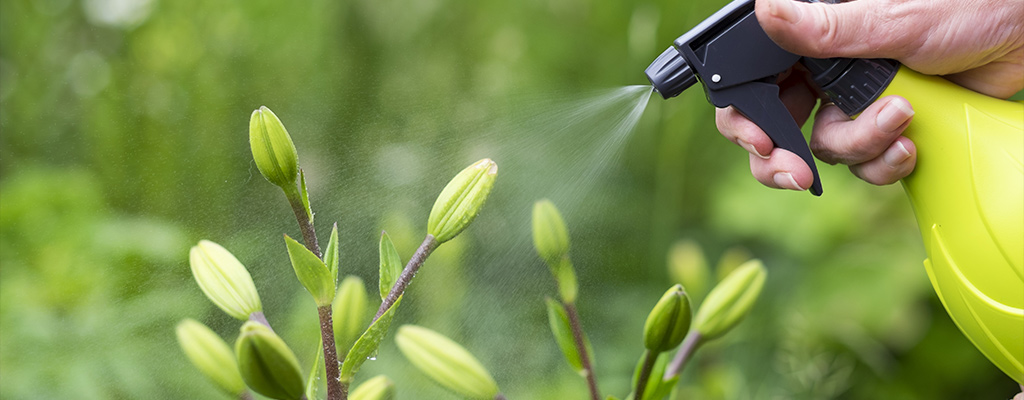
690,345
330,354
421,254
245,395
581,348
645,373
305,224
259,317
500,396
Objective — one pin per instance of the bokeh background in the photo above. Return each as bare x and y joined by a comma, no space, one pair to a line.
123,141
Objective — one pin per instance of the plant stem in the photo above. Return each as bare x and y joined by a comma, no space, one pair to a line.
330,354
259,317
245,396
690,345
581,348
648,364
421,254
645,373
500,396
305,224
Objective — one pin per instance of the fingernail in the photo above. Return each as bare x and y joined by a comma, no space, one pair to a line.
785,180
785,10
893,115
750,148
896,154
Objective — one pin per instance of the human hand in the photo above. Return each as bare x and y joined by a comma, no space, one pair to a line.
976,44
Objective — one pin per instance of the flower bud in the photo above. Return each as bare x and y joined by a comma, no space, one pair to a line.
687,266
731,259
446,362
730,300
376,388
461,200
550,237
272,148
266,363
311,271
349,312
210,354
224,280
668,322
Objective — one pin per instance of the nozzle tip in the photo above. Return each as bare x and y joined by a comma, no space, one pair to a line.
669,74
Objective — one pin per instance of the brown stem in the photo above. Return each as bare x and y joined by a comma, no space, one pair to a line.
645,373
259,317
500,396
330,354
305,224
581,348
690,345
245,395
421,254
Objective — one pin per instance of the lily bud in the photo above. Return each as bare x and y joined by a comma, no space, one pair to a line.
272,148
349,312
668,322
460,201
446,362
687,266
210,354
550,237
224,280
266,363
376,388
311,271
732,299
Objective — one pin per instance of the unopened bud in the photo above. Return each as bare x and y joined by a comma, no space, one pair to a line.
311,271
266,363
687,266
272,148
550,237
732,299
376,388
446,362
224,280
210,354
668,322
349,312
460,201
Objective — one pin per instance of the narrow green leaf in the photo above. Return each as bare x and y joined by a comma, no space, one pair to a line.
311,271
390,265
368,343
304,195
331,256
655,388
562,330
312,383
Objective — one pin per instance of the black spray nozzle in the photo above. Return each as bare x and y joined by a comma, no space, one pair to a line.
669,74
739,65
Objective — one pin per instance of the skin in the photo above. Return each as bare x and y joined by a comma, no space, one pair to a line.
978,44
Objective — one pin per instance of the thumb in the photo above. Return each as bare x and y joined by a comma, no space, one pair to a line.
850,29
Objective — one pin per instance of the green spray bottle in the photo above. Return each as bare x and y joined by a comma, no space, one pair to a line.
967,188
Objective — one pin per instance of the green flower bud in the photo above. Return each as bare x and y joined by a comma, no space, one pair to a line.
730,260
224,280
349,312
272,149
687,266
460,201
668,322
311,271
376,388
446,362
266,363
550,237
210,354
730,300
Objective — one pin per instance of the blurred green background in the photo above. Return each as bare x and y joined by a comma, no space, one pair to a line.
123,141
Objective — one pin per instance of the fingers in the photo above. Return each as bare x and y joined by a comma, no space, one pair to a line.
838,139
740,130
848,29
895,163
781,170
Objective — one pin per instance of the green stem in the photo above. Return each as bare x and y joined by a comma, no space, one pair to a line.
645,373
690,345
305,224
417,260
330,354
581,348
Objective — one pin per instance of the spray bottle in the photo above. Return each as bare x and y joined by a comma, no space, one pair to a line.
967,188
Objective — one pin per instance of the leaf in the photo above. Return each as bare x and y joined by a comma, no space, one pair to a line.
304,195
368,343
562,330
656,388
312,272
314,372
390,265
331,256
